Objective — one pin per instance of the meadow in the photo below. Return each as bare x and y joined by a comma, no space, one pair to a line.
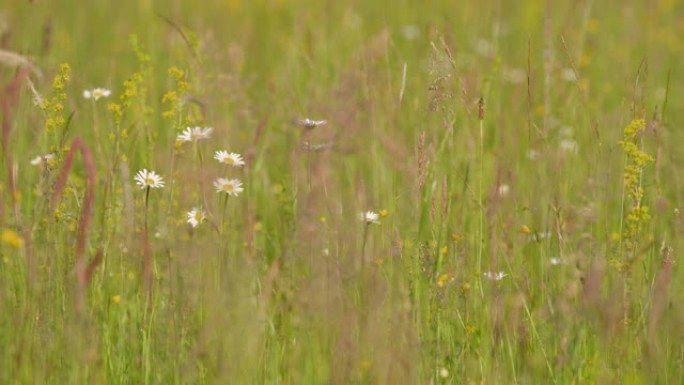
341,192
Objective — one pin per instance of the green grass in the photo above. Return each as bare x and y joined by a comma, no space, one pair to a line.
283,284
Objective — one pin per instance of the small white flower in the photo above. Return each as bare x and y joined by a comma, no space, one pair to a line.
568,75
484,48
532,154
96,93
566,131
444,372
38,100
514,75
230,159
229,186
411,32
568,145
494,276
538,237
148,179
369,217
37,161
504,189
194,134
557,261
196,216
310,124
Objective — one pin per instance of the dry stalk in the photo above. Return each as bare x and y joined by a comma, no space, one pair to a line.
84,271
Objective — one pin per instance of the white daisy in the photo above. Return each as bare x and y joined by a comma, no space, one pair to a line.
229,186
557,261
492,276
369,217
196,216
148,179
310,123
96,93
230,159
194,134
39,160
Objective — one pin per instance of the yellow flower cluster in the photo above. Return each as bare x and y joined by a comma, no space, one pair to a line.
54,107
637,160
134,87
174,97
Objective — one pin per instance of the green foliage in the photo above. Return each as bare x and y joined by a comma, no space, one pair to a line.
524,240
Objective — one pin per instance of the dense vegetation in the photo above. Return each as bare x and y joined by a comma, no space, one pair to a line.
486,192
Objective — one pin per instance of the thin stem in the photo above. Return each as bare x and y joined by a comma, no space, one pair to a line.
480,240
147,199
224,204
363,245
201,173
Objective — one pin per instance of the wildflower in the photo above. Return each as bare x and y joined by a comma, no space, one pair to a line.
196,216
504,189
568,145
443,280
194,134
12,238
411,32
369,217
39,160
116,299
539,236
38,100
557,261
384,213
230,159
444,373
96,93
484,47
148,179
514,75
310,124
229,186
568,75
494,276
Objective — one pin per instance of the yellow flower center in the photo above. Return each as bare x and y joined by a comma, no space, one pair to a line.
149,181
228,160
228,187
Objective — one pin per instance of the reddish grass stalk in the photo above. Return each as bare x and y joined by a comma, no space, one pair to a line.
84,271
8,103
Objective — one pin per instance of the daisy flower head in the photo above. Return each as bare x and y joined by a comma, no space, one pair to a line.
494,276
229,186
230,159
196,216
148,179
310,123
42,159
96,93
194,134
369,217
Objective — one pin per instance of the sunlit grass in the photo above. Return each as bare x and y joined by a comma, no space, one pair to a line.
299,192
